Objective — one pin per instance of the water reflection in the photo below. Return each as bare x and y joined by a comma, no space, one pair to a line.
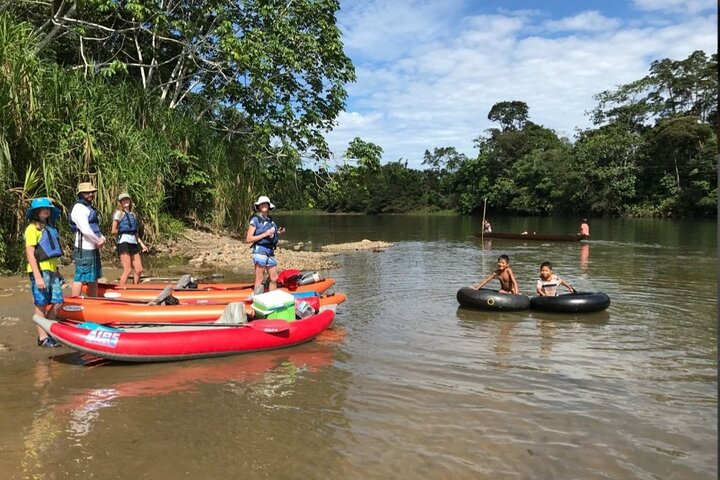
44,429
584,257
510,333
270,370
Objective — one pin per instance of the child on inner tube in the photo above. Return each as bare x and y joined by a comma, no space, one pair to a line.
548,282
505,276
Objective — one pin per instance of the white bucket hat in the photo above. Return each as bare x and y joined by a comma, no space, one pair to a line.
263,199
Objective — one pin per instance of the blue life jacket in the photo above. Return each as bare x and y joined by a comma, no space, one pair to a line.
128,224
48,245
268,243
93,219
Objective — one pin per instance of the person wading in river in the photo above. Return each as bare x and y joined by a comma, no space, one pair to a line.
264,235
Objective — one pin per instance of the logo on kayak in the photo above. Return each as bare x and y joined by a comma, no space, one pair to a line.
73,308
103,337
112,294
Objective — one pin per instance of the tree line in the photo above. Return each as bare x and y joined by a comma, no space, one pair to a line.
651,152
197,107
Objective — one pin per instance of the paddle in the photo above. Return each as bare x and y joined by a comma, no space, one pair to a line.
266,326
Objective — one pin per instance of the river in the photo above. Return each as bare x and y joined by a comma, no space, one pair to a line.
409,385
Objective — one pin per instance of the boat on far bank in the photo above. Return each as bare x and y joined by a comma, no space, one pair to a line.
548,237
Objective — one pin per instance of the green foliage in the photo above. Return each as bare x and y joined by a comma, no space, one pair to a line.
188,141
170,227
673,88
278,65
510,115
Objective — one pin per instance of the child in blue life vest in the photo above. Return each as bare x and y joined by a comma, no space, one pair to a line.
42,249
264,235
125,225
84,222
548,282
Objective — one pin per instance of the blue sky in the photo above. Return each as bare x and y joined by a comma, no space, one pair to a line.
428,72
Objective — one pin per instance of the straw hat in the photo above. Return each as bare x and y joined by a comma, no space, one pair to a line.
42,202
263,199
86,187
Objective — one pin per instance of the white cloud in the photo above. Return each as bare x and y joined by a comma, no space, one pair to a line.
437,90
591,21
676,6
384,30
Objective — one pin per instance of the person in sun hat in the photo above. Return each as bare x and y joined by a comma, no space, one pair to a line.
129,245
84,222
42,249
264,235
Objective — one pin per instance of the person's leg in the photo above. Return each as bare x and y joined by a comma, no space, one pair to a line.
137,266
41,300
82,271
56,295
273,274
92,289
126,262
96,273
259,273
41,334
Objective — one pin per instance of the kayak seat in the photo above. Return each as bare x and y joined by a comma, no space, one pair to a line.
165,295
184,281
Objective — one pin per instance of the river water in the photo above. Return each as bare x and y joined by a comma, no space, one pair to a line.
409,385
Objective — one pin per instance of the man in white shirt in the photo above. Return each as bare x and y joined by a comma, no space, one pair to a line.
85,223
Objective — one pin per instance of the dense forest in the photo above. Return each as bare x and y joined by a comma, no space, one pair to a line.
196,107
652,152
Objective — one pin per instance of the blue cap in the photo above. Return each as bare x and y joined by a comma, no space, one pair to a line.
43,202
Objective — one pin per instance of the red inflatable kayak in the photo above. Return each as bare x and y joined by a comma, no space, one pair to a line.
181,342
104,311
209,295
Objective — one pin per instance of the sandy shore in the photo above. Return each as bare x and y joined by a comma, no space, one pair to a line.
208,250
209,254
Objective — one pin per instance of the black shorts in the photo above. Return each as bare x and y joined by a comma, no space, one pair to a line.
131,248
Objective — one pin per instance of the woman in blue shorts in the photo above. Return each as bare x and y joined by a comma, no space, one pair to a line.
42,249
264,235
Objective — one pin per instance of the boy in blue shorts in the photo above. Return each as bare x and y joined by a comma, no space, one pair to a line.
42,249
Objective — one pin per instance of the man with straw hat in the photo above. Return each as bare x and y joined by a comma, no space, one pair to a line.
85,224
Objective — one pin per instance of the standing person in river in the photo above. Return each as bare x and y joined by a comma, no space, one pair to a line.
85,224
42,249
264,235
584,228
125,225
